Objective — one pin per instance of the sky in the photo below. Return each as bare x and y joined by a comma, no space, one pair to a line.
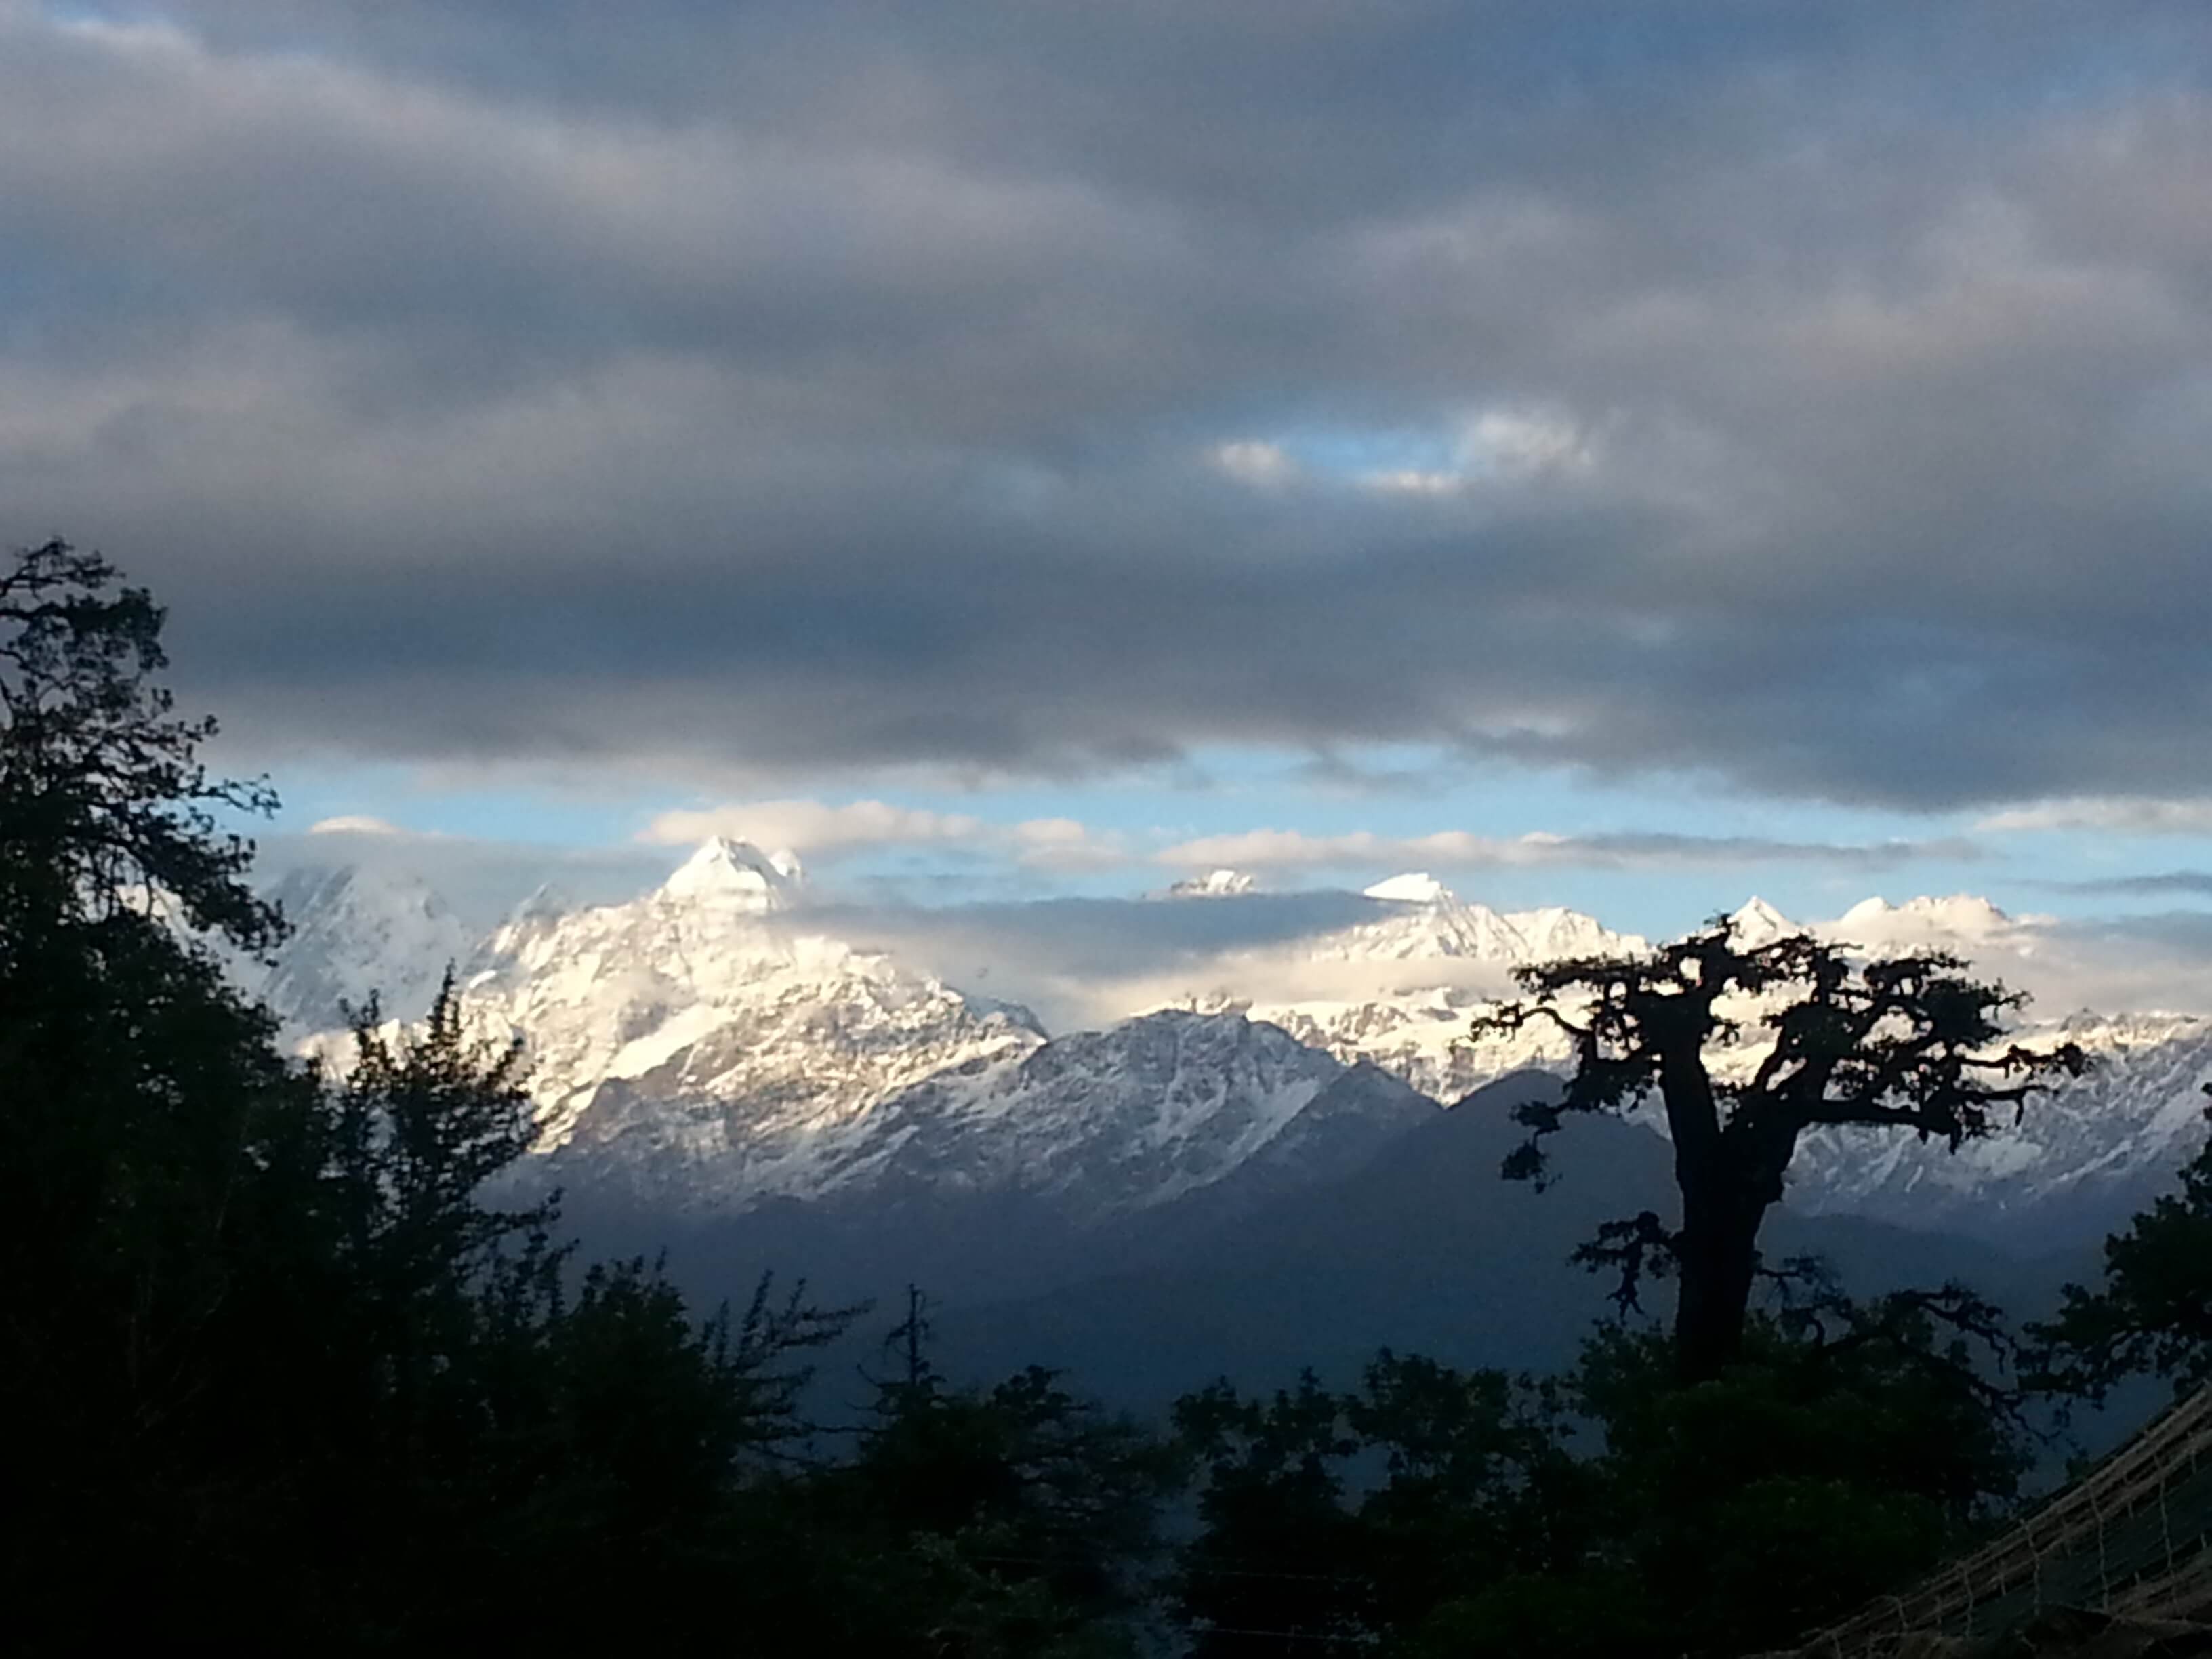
1624,455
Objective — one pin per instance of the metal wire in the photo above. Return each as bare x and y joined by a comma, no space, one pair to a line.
2092,1535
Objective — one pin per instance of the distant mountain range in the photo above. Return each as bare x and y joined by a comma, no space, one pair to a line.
708,1049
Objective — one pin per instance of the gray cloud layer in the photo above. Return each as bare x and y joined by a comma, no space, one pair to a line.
2166,883
805,386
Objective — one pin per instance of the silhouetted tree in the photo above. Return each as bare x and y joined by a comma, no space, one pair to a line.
2152,1314
1015,1520
1909,1045
274,1364
1347,1518
1614,1513
1282,1553
138,1093
105,805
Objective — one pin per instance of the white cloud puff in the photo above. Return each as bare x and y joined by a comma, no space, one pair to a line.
2121,815
1255,462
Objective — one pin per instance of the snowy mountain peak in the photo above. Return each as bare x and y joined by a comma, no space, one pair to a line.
1126,1118
545,903
358,931
1962,924
1960,913
696,1048
1759,923
1215,884
736,875
1415,887
1554,933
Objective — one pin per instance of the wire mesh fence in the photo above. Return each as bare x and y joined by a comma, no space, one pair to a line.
2129,1539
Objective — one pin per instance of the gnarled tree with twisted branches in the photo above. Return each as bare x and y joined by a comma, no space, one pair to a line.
1910,1044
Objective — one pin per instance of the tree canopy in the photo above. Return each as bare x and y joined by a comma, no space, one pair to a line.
279,1364
286,1357
1611,1513
1911,1044
2152,1315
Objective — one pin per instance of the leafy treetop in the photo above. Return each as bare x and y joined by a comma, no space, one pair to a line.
102,793
1912,1043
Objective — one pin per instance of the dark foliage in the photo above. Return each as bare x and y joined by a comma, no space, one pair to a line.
289,1361
2153,1315
280,1369
1016,1520
1615,1512
1909,1044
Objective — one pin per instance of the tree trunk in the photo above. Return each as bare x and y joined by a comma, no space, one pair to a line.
1719,1249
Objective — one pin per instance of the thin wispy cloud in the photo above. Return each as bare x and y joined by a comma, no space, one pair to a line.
824,830
2128,816
1457,849
815,828
2166,883
360,823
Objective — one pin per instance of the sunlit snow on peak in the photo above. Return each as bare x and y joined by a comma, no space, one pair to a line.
1215,884
736,875
1757,922
1415,887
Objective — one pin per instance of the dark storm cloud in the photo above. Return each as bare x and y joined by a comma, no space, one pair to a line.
1810,396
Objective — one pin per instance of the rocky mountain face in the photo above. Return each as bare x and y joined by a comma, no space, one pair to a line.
708,1047
1152,1110
356,933
2080,1160
704,1049
1407,982
1214,883
702,1046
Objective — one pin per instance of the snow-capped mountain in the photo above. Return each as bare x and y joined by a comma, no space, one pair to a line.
1404,983
1755,922
1418,918
1215,884
1098,1124
705,1028
703,1050
1146,1112
2079,1160
709,1046
734,878
356,933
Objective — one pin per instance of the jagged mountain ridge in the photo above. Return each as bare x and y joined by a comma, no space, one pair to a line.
2079,1160
358,932
1139,1115
702,1039
1407,982
706,1048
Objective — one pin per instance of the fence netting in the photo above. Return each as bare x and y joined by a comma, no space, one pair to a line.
2125,1546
